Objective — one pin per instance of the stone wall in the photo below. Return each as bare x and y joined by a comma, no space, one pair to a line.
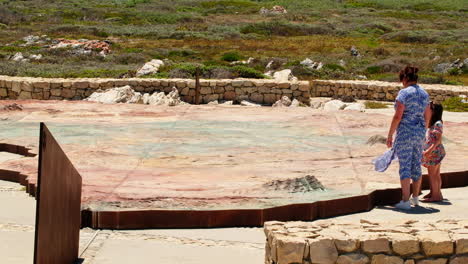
380,91
330,242
256,90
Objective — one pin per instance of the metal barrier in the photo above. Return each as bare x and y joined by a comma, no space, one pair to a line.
58,206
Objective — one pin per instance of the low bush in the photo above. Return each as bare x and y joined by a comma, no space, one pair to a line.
375,105
247,72
231,56
455,104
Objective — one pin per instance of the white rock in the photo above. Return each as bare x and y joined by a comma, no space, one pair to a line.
112,96
318,102
214,102
355,107
247,103
334,105
137,98
283,102
145,98
18,57
308,63
150,67
268,66
283,76
36,57
227,103
295,103
171,99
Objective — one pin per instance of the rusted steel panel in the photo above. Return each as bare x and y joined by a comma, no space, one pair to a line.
292,212
58,207
349,205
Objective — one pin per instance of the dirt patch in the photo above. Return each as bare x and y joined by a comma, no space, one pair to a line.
302,184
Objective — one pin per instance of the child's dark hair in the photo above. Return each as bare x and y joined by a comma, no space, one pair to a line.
437,110
410,73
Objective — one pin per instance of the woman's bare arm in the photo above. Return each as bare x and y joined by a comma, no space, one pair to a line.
395,123
427,115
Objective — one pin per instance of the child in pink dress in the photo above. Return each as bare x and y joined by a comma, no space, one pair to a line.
434,153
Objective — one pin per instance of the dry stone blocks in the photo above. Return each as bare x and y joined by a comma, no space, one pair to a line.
365,242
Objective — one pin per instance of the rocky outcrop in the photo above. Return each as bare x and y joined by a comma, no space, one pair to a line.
150,67
123,94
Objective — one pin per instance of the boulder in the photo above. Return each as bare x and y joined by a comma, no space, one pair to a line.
355,107
295,103
354,52
145,98
334,105
283,102
318,102
247,103
312,65
171,99
150,67
284,76
112,96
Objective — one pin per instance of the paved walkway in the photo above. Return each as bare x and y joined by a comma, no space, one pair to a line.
191,246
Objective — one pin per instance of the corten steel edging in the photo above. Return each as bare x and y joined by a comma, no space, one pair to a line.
15,149
58,206
254,217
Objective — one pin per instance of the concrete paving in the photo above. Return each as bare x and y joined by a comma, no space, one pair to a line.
168,246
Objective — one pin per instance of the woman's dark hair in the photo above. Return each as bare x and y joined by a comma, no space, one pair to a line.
437,110
410,73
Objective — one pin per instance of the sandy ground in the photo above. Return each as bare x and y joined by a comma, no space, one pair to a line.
205,157
169,246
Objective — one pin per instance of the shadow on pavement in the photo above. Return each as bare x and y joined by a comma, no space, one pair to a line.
414,210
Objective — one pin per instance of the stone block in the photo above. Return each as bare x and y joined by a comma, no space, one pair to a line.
410,261
256,97
94,85
347,245
42,85
68,93
432,261
405,245
221,83
377,245
16,86
284,85
435,243
3,92
46,95
323,251
38,96
290,250
461,243
459,260
247,84
81,85
269,98
210,98
237,83
205,90
181,84
204,83
229,88
27,86
66,84
229,95
24,95
219,90
384,259
185,91
352,259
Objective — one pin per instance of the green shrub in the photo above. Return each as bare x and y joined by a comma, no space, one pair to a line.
374,69
455,104
247,72
375,105
231,56
333,67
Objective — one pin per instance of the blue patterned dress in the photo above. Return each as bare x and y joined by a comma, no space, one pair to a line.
410,133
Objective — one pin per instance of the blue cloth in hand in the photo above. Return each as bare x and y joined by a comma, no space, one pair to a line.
382,162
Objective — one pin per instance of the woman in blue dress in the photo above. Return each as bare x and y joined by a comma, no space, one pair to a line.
412,114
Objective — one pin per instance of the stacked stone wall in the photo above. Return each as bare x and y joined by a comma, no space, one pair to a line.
259,91
255,90
379,91
334,242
